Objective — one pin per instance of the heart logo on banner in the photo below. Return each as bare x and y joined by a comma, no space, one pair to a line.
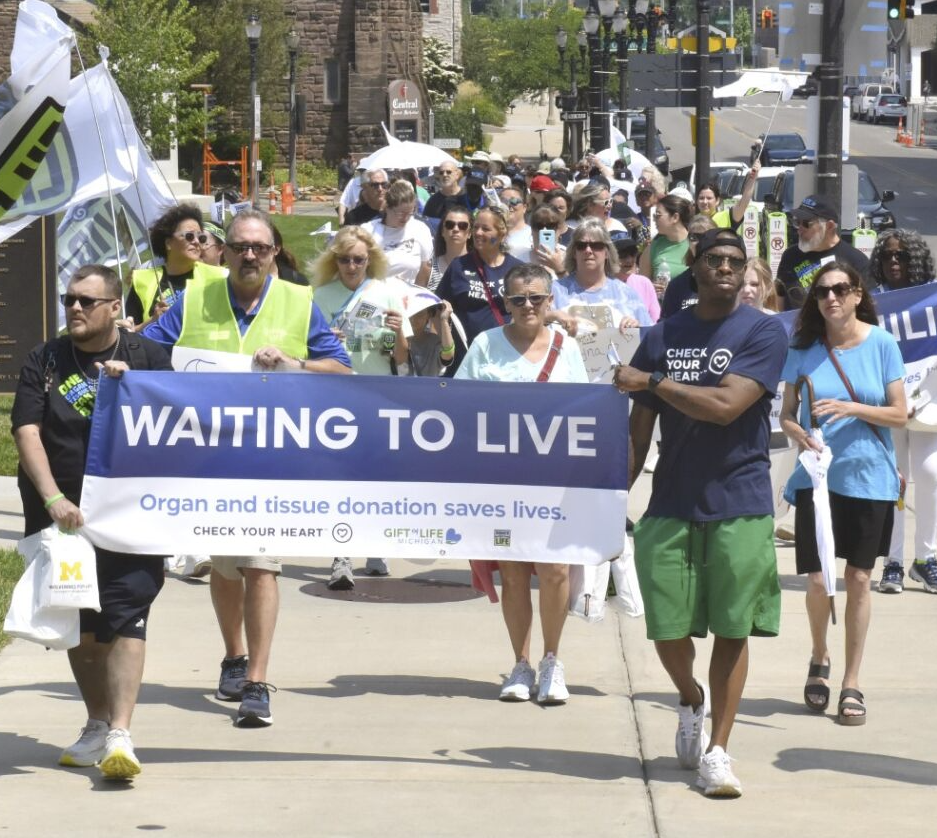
452,537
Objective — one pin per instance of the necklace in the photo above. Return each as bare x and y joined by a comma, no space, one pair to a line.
93,380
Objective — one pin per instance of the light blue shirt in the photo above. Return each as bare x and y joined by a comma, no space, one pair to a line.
862,467
614,292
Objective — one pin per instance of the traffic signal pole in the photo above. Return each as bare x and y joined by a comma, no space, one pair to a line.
829,145
704,95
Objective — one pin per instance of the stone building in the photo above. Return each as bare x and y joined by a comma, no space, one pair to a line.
442,19
352,50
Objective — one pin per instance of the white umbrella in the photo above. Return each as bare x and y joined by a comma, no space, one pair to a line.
817,466
407,155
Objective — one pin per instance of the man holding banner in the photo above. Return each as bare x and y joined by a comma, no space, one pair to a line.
252,313
51,418
704,550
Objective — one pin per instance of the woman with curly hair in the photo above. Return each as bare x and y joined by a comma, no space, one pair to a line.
855,396
901,258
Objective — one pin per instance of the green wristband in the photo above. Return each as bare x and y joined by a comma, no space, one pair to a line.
53,499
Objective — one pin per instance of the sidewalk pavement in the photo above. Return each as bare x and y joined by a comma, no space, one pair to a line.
387,723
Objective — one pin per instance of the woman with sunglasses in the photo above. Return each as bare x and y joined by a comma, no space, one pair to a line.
178,238
901,258
376,335
547,251
406,241
526,349
519,241
666,257
595,201
591,265
451,241
856,396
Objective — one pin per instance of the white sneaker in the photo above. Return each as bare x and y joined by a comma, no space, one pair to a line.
519,683
552,682
196,566
343,578
715,775
376,567
89,747
119,762
692,740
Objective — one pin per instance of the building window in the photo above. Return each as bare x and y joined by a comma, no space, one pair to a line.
424,6
333,82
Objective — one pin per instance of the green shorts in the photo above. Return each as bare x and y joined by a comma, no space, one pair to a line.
720,576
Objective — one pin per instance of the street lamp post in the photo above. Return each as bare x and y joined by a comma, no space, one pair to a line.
606,11
253,39
292,44
618,27
591,23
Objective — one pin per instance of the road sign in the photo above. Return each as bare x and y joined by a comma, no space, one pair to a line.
447,142
670,81
574,116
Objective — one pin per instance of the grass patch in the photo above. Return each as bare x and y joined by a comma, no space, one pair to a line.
8,456
295,230
11,568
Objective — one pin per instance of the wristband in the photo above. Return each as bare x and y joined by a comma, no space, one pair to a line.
53,499
302,364
445,349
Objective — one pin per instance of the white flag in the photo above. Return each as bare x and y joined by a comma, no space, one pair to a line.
760,81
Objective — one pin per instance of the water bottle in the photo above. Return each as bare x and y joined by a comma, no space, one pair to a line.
662,279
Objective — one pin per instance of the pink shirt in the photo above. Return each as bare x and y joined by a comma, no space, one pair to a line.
645,289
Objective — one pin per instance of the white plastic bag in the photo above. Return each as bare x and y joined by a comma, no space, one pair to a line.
55,629
627,598
588,585
68,569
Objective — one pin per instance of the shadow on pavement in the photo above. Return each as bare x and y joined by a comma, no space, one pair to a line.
899,769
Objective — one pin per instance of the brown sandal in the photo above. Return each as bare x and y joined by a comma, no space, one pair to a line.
850,699
817,696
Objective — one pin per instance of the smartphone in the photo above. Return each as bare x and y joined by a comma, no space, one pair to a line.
547,239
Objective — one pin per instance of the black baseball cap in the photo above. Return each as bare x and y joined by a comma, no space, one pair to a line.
717,238
816,206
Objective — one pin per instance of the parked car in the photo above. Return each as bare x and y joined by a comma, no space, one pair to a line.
850,90
809,88
780,149
868,93
721,172
871,204
888,106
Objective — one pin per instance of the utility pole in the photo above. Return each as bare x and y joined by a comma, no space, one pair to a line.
829,145
704,93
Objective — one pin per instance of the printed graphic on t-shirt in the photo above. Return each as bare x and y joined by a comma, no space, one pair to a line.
476,290
686,364
79,393
805,271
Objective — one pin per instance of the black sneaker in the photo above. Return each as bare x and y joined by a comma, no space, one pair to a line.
892,578
231,682
255,705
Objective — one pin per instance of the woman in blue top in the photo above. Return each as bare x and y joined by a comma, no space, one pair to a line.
837,339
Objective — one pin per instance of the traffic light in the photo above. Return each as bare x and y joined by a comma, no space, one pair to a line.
767,18
900,9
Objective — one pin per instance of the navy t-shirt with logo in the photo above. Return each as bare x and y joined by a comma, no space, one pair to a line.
710,472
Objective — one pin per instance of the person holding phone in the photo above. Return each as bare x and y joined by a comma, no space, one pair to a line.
547,251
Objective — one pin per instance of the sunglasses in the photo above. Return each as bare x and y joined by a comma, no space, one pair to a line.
452,225
260,250
714,260
513,202
535,300
605,202
69,300
357,261
805,223
544,226
377,185
840,290
895,256
191,237
597,247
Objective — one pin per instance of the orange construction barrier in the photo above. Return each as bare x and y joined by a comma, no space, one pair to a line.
272,206
287,199
900,130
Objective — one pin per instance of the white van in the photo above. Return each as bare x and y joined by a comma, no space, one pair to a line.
865,98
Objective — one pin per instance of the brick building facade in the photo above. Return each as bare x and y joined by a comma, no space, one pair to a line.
442,19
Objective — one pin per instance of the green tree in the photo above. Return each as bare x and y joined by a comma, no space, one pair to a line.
743,30
440,74
222,32
153,60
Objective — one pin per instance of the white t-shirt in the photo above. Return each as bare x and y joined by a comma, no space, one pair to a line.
491,357
364,343
406,248
351,193
520,243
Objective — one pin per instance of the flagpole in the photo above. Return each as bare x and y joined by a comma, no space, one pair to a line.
764,136
107,174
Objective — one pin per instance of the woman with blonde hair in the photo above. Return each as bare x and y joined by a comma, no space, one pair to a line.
366,312
758,287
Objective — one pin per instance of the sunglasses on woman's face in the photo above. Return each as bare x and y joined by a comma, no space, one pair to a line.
452,225
596,247
535,300
544,226
513,202
357,261
190,237
895,255
840,290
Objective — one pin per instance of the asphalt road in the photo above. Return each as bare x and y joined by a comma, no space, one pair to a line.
910,172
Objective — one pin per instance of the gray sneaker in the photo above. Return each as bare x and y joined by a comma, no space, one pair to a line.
343,579
691,739
376,567
89,747
231,682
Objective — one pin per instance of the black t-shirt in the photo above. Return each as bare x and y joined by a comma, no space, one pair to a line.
797,269
438,202
64,412
360,214
134,305
679,295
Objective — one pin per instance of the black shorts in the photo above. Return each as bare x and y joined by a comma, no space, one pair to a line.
861,530
127,583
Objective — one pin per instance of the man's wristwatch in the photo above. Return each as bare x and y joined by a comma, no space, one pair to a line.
655,380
